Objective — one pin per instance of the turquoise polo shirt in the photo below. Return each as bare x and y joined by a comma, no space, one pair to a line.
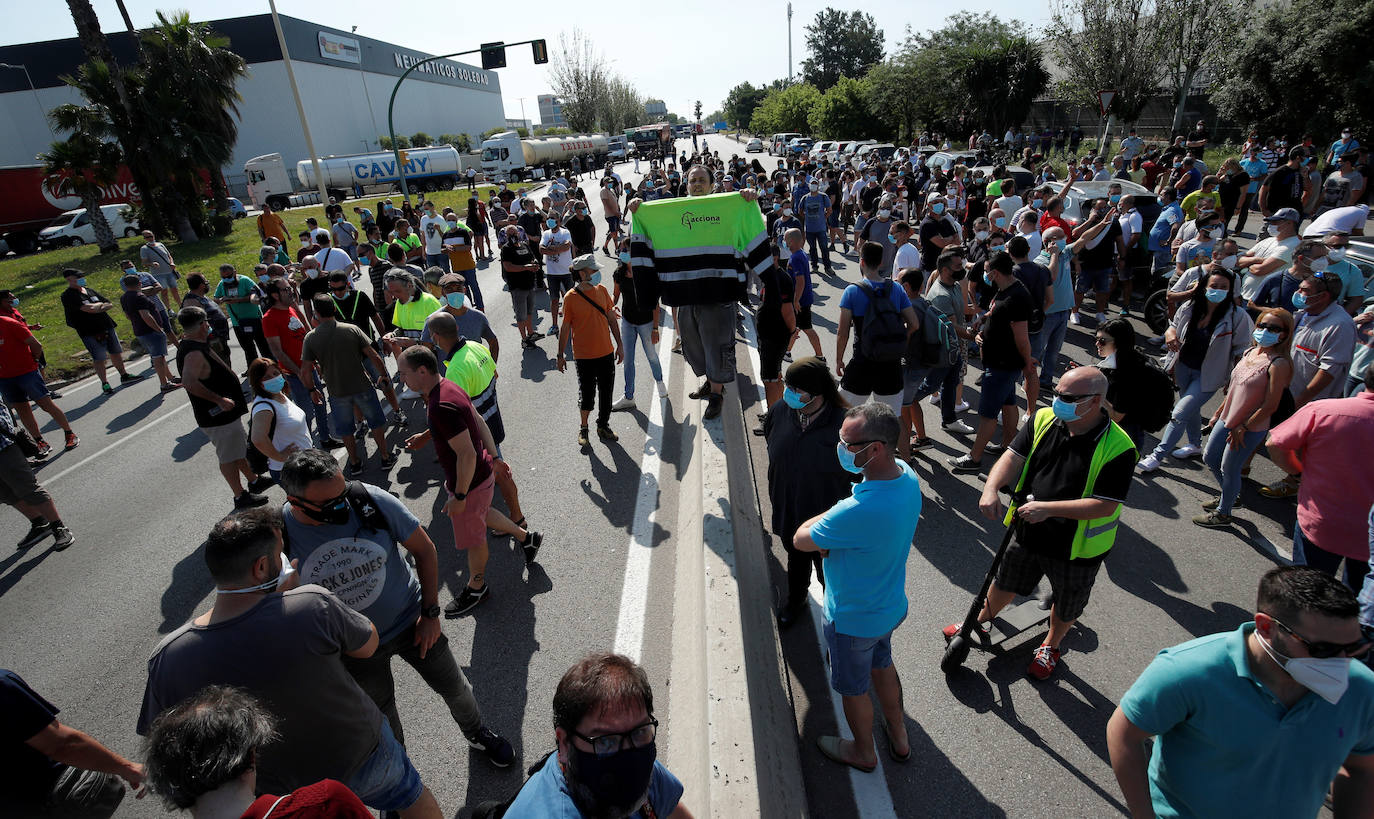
1225,746
868,535
1352,280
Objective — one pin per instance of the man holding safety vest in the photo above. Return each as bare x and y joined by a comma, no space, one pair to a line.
1074,465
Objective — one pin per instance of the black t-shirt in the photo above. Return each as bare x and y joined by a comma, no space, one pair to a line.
1059,471
1197,340
632,308
31,774
1285,188
357,309
1197,153
133,303
377,273
1103,254
1036,278
532,221
868,197
583,232
999,343
85,324
517,253
777,288
932,227
221,381
1231,188
310,288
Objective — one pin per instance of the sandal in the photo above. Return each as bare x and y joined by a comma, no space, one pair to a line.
830,746
892,748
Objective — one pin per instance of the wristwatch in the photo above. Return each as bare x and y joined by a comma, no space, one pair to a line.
460,496
431,611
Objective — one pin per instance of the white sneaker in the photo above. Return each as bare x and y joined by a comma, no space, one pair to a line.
962,406
1148,464
1185,452
662,389
1101,317
1075,319
623,404
959,427
935,400
409,395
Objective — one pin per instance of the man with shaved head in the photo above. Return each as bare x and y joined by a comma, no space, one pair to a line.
1069,471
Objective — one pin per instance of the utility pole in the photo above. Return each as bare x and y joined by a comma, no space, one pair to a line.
789,43
42,112
300,108
368,96
522,108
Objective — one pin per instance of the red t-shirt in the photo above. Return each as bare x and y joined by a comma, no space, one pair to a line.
1047,221
16,358
288,326
326,799
450,413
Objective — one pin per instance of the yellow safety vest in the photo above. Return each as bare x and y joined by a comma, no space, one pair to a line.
410,317
1095,536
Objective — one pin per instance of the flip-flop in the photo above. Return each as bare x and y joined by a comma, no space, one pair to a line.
892,748
830,746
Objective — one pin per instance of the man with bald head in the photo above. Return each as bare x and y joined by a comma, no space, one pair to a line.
1070,469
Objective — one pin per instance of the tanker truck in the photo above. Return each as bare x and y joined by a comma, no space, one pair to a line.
426,169
507,156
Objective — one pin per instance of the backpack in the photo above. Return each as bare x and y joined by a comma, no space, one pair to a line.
495,809
1157,390
935,344
883,338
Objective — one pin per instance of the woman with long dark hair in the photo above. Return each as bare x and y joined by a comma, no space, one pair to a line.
477,223
1127,377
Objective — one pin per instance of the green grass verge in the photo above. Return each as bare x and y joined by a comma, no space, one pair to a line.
37,278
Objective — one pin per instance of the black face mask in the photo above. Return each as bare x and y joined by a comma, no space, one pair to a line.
959,274
610,787
332,512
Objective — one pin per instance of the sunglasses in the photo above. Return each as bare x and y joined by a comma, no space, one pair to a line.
1072,398
1278,328
1100,340
1322,650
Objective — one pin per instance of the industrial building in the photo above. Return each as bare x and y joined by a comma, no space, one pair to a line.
551,111
345,81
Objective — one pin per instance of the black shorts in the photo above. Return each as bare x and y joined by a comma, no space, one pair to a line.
804,317
864,377
1071,581
770,357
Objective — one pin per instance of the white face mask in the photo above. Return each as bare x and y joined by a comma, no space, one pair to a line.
884,213
271,585
1228,262
1327,678
1108,361
1336,254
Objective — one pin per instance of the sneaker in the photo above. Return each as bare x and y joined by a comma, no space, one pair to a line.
606,434
409,395
54,394
1046,660
169,386
957,427
1212,520
702,391
934,399
1155,340
531,546
993,449
354,469
787,357
1283,488
497,749
1125,311
63,538
714,402
249,500
952,629
529,341
331,443
921,443
1075,319
106,388
1101,317
1148,464
623,405
582,438
466,601
44,448
1211,505
127,378
553,331
398,420
662,389
261,484
962,406
964,465
71,440
1183,453
37,532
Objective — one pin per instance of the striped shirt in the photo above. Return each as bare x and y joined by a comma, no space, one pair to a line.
695,250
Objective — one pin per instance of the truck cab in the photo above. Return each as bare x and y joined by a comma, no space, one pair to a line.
503,157
268,181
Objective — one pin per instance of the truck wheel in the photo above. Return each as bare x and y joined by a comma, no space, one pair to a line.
130,233
429,186
448,183
76,241
278,202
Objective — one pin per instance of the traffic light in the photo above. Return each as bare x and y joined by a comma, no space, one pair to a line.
404,155
541,52
494,55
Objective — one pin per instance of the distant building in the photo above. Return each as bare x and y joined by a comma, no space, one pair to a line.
512,124
551,111
656,109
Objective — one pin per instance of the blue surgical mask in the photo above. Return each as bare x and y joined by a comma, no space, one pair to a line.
892,238
81,282
594,279
625,256
1265,338
1037,203
981,235
275,385
792,398
1062,244
455,300
14,303
987,279
1300,300
1114,198
937,208
1000,221
847,458
552,223
1216,296
1064,410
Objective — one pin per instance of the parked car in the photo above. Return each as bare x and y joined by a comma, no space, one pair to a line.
1078,201
851,148
873,152
948,159
1024,178
821,147
754,145
778,145
73,228
799,146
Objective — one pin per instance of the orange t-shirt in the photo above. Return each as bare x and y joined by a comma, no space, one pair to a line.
591,331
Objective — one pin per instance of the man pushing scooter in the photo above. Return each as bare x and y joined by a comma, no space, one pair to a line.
1075,464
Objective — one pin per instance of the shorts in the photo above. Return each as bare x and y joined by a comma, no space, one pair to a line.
155,344
1095,281
102,346
914,377
371,369
864,377
558,285
1071,581
771,351
612,224
470,525
523,303
804,317
999,390
23,388
853,659
167,280
341,411
17,480
833,220
230,441
387,780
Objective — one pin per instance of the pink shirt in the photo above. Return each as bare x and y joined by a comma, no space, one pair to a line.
1334,438
1249,386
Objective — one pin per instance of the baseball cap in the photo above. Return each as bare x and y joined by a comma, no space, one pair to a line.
1284,213
587,261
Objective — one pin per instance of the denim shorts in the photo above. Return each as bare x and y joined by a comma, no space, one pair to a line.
102,347
167,280
341,410
387,780
558,284
999,390
1095,281
22,388
853,659
155,344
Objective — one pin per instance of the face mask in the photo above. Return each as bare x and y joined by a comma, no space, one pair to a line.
1064,410
263,279
847,458
792,398
14,303
1300,300
981,235
1108,361
884,213
1319,265
614,785
1327,678
305,243
937,208
1037,203
594,279
1000,221
815,188
1216,296
1336,254
1061,244
334,513
81,282
1345,135
995,249
275,583
625,256
452,223
1228,262
892,238
313,273
787,212
987,279
455,300
1265,338
275,385
1178,164
552,223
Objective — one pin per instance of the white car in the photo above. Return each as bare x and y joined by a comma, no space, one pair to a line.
822,147
753,145
74,228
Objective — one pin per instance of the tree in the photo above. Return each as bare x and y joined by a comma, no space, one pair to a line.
898,97
462,142
82,163
840,45
1195,36
842,111
624,107
999,82
579,76
403,141
673,119
1320,84
1108,45
696,111
420,139
715,116
786,110
740,103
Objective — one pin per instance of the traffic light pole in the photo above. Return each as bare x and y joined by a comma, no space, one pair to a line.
391,105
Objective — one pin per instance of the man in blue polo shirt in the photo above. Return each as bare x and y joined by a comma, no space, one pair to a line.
1257,721
865,540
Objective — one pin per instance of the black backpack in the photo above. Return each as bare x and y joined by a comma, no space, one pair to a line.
496,809
1156,390
883,337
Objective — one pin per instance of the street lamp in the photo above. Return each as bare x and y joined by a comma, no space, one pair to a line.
41,112
362,77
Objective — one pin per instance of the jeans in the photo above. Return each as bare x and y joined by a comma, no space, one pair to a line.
1187,415
1226,462
633,335
437,668
1353,386
77,794
1052,334
818,237
1307,553
301,397
470,276
439,260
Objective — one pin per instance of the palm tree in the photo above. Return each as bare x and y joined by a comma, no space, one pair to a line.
82,164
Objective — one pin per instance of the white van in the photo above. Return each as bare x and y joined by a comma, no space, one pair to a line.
778,147
73,228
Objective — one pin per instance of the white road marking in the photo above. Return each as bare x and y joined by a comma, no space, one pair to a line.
44,479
